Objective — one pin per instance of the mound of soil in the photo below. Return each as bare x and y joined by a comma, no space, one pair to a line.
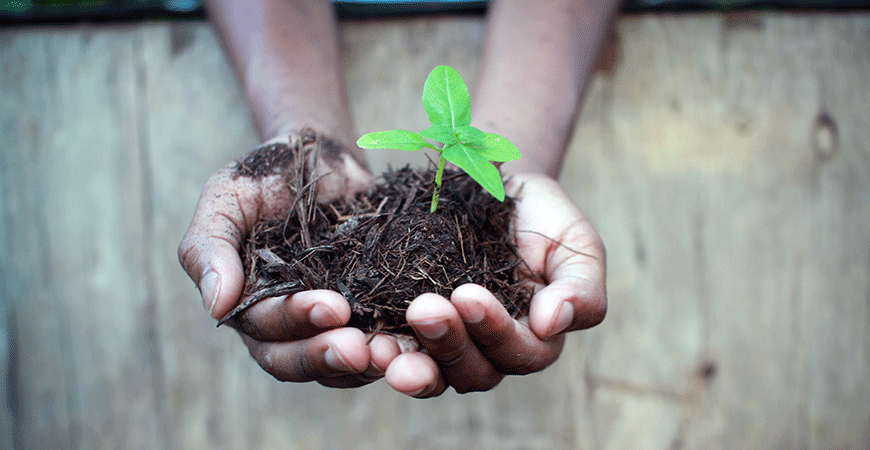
384,248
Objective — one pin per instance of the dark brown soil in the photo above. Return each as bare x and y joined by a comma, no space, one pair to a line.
385,248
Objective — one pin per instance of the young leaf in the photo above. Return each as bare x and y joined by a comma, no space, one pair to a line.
496,148
445,98
440,133
467,134
446,101
477,167
393,139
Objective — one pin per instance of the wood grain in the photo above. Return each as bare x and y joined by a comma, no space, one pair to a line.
76,243
724,160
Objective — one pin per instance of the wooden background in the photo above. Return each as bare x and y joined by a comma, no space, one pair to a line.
724,158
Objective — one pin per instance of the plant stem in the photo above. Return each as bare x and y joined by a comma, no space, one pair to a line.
437,190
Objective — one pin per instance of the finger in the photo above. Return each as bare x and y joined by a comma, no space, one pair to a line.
440,330
576,296
292,318
209,251
416,375
567,251
328,358
510,346
568,303
384,349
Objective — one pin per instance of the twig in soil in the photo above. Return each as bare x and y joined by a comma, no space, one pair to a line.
269,256
461,241
375,332
288,288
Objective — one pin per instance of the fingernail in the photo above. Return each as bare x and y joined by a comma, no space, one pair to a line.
432,330
563,318
471,311
322,317
335,361
210,287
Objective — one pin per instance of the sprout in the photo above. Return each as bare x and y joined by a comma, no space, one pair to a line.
446,101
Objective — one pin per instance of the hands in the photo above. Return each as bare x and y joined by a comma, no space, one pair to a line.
471,342
296,338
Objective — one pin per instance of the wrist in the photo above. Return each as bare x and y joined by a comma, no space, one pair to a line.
542,148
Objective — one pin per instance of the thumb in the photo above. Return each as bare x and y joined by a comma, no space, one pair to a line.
576,296
567,304
560,244
215,267
209,251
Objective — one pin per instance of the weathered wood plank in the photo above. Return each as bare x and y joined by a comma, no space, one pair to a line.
726,162
83,342
733,210
25,256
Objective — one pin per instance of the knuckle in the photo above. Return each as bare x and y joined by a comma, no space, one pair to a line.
498,335
450,355
289,327
307,370
266,359
480,385
282,369
494,339
187,254
269,322
246,326
530,361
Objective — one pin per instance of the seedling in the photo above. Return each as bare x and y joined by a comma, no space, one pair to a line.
446,101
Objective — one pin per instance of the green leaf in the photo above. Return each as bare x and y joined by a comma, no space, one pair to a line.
477,167
445,98
496,148
467,134
440,133
393,139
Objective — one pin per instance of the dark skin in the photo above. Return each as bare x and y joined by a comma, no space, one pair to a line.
286,55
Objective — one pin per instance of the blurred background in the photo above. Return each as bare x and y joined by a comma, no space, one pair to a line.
723,151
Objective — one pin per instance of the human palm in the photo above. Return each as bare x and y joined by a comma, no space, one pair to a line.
471,342
468,342
296,338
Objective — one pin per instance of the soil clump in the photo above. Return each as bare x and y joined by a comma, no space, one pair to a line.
384,248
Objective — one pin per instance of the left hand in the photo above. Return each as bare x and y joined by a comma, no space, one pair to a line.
298,338
471,342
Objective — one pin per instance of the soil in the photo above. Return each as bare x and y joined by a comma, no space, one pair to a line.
384,248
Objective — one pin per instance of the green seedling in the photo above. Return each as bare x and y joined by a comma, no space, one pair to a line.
446,101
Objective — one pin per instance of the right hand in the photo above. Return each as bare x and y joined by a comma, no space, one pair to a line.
470,341
297,338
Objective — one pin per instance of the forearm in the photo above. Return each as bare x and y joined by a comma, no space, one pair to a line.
537,60
285,53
